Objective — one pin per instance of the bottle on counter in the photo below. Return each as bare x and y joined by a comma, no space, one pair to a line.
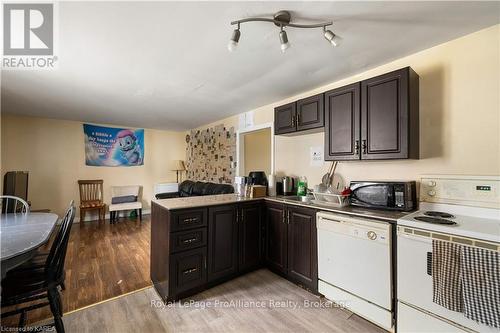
302,187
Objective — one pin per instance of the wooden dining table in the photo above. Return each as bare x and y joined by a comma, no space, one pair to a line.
21,235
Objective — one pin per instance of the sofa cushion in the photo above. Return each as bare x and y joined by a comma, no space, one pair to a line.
123,199
223,189
186,188
189,188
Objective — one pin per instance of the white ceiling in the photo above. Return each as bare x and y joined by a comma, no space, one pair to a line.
165,64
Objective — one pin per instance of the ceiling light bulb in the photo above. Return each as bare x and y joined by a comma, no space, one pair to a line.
284,41
233,41
331,37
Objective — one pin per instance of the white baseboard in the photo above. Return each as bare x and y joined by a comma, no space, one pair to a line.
93,216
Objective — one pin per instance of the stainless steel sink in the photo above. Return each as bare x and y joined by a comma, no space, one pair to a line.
297,198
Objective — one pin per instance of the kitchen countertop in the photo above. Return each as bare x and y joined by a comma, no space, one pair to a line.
201,201
221,199
386,215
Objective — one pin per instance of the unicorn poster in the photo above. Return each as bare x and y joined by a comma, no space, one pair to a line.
112,147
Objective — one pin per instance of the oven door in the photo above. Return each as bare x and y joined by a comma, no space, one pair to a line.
414,278
376,195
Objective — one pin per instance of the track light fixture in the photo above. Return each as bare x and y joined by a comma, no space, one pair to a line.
284,40
235,38
282,19
331,37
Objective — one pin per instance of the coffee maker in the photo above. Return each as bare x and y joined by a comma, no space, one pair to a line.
257,178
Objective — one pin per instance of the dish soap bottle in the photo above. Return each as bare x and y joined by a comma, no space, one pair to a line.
302,187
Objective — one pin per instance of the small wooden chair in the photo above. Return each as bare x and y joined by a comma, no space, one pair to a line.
91,197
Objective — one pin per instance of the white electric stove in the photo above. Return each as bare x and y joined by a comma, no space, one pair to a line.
461,209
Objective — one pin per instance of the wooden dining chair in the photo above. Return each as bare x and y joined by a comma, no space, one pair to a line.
91,197
12,204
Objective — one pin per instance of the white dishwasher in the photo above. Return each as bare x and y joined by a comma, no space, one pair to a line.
355,265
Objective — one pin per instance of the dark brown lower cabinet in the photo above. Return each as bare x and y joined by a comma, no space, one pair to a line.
188,269
302,246
193,249
291,243
250,236
276,237
222,242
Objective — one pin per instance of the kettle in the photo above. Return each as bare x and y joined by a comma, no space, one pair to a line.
287,183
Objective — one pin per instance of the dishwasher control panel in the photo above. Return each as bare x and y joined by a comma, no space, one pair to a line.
369,230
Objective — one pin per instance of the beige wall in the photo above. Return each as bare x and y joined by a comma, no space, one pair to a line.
258,151
459,115
54,154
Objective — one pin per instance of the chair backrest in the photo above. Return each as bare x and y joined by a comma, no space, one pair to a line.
91,191
12,204
54,264
120,191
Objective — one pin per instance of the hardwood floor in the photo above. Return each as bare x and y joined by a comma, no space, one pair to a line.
103,261
143,311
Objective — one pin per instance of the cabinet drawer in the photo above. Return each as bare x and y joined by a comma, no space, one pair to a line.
188,270
186,240
189,219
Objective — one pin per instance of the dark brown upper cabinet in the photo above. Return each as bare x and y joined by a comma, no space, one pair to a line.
342,123
310,113
375,119
305,114
284,119
389,116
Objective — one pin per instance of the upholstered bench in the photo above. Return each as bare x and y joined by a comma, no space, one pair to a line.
125,198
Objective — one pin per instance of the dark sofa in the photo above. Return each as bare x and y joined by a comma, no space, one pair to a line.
189,188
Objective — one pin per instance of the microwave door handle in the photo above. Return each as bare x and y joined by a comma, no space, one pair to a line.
391,198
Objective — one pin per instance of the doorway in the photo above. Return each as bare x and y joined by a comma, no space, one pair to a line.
255,150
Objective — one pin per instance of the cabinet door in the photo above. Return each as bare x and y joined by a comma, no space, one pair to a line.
302,246
342,123
250,236
310,113
385,116
222,242
276,237
284,119
188,270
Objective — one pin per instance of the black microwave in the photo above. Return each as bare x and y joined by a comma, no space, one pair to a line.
384,195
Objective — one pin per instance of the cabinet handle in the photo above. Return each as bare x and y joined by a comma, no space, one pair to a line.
293,121
356,147
189,271
287,217
190,240
191,220
298,118
284,216
363,145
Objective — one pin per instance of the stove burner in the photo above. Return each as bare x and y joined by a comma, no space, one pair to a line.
435,220
439,214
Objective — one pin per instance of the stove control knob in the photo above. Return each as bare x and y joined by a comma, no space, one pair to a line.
431,193
431,183
371,235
